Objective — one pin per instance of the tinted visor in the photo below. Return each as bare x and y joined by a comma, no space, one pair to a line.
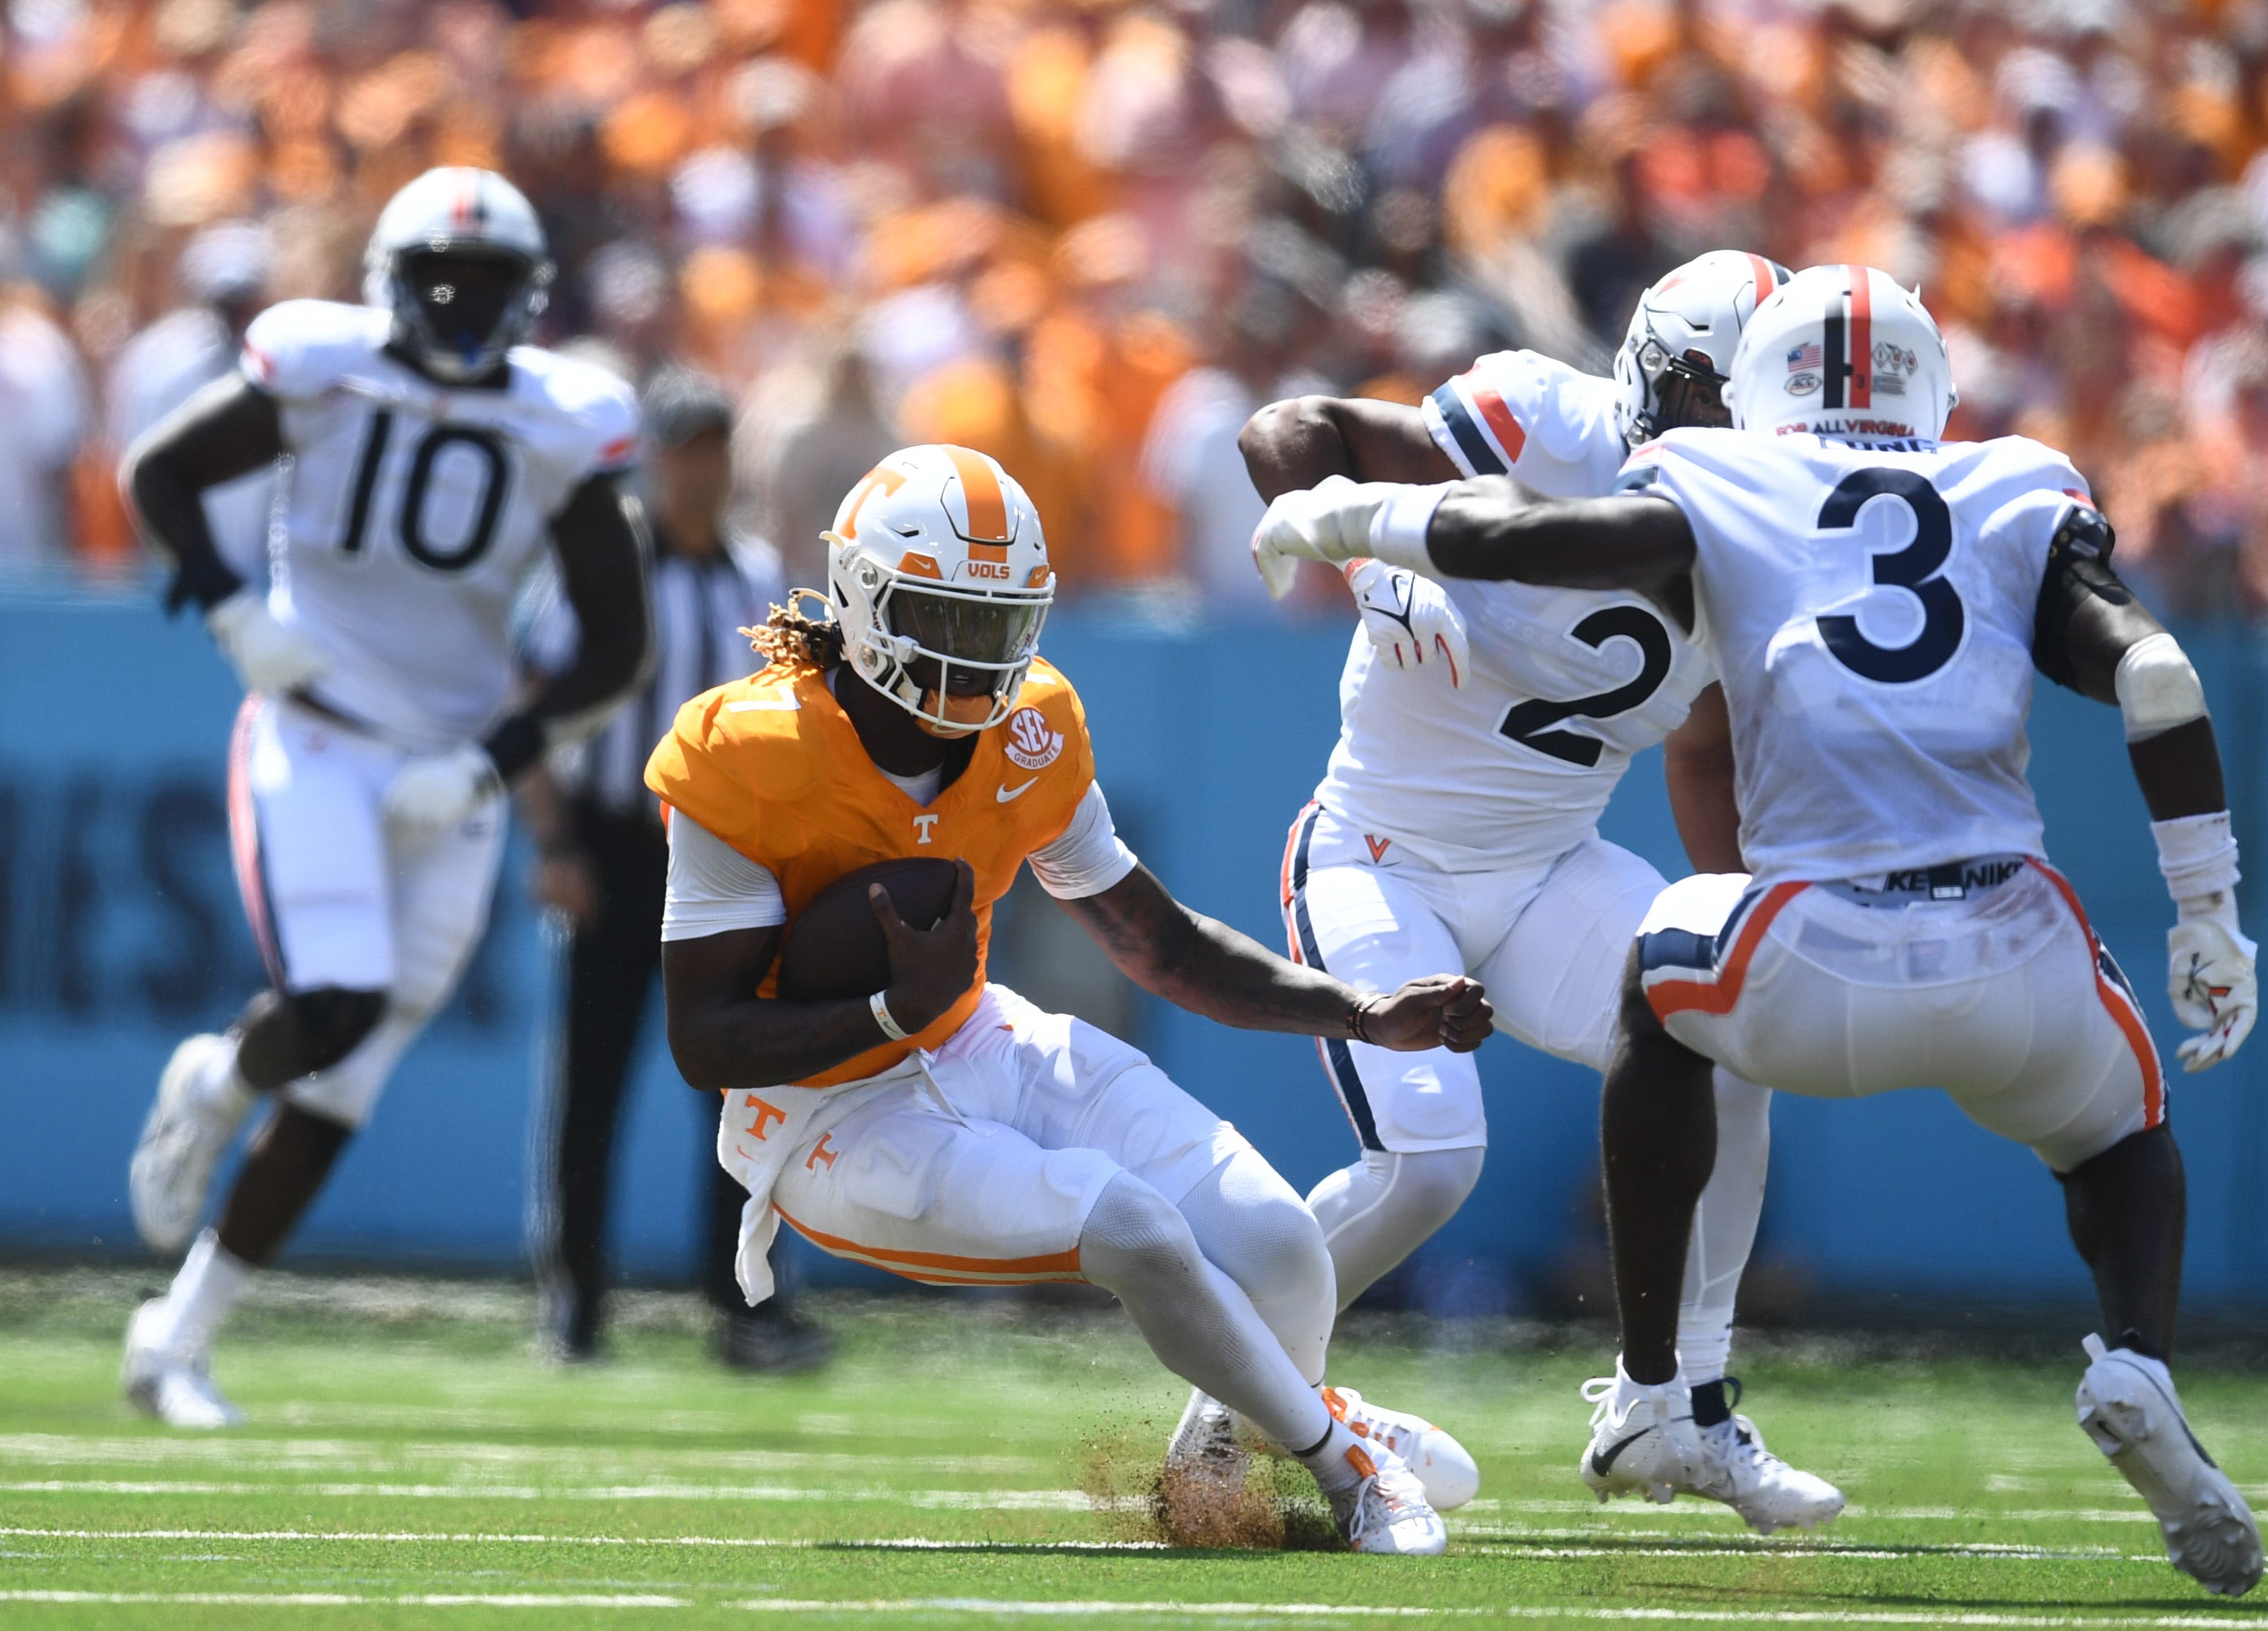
995,634
463,293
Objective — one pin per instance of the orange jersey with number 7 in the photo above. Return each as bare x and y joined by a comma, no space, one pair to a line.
773,766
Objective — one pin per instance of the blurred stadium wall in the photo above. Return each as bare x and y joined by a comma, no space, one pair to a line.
120,931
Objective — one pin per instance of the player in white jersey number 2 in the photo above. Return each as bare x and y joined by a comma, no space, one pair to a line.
1484,726
433,460
1876,602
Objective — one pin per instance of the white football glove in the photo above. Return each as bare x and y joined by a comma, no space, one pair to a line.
267,656
2213,988
1329,521
438,790
1410,619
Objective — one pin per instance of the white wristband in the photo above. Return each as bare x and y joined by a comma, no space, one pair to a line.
880,1009
2197,855
1398,529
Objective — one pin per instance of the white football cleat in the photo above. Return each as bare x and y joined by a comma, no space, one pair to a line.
2127,1406
1447,1471
172,1387
1385,1512
182,1141
1646,1445
1207,1458
1737,1469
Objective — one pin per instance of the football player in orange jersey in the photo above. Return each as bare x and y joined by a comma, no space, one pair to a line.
944,1128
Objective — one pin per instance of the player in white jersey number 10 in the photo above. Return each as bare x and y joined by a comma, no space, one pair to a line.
1876,602
1484,726
433,461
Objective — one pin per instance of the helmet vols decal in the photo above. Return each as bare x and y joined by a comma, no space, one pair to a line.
980,491
1850,346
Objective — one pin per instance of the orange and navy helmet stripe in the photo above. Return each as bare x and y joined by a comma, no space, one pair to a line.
1766,281
1849,345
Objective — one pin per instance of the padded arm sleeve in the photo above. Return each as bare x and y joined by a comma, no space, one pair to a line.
1089,857
713,888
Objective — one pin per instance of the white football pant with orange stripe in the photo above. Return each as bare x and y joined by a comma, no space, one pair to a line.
2003,997
337,897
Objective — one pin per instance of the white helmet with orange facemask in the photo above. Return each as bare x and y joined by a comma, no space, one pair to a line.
939,579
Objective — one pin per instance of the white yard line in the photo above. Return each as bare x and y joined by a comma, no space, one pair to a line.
1733,1548
954,1499
1165,1608
427,1538
1371,1611
339,1599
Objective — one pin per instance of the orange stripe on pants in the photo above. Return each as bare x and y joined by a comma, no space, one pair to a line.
914,1265
2121,1008
1717,996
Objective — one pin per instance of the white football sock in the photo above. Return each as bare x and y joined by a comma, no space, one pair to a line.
1333,1468
211,1280
1380,1210
1724,1227
1197,1320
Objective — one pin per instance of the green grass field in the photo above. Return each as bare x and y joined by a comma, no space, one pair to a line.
973,1461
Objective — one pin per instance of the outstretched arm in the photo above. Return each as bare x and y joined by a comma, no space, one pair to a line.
1299,442
2093,635
1210,969
1489,526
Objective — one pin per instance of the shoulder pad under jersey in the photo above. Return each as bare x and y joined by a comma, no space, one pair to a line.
598,406
301,349
1491,412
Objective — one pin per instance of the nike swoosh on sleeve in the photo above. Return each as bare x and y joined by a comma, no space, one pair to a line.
1009,795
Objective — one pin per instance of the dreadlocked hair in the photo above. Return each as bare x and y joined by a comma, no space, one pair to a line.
788,636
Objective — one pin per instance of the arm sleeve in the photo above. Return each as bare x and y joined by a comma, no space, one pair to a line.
714,889
1088,857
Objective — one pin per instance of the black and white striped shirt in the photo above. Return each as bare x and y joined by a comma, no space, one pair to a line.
699,608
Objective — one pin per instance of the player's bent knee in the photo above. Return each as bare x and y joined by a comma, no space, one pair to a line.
332,1021
1433,1183
1135,1238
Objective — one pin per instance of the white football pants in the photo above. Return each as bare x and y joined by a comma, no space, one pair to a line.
1551,944
2003,998
336,896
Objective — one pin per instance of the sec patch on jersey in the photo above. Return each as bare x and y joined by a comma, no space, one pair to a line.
836,947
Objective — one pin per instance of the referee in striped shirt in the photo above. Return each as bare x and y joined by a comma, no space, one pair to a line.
604,862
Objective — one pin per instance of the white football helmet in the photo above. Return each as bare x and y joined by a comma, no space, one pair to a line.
460,259
937,565
1686,328
1843,350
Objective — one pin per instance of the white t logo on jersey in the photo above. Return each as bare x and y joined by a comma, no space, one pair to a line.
922,823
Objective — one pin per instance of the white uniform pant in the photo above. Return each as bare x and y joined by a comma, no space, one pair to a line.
1548,943
337,897
977,1165
2005,999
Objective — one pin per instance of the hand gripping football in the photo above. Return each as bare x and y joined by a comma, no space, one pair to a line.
836,947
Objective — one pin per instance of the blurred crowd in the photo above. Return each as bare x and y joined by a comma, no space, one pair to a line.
1090,236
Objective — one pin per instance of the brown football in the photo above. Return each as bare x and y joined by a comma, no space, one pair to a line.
836,947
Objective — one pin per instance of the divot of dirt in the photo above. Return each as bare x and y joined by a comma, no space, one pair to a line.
1274,1507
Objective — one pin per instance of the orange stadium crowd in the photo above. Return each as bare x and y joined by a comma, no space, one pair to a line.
1091,238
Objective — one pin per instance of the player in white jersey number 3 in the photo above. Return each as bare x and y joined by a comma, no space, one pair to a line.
433,461
1876,601
1484,726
